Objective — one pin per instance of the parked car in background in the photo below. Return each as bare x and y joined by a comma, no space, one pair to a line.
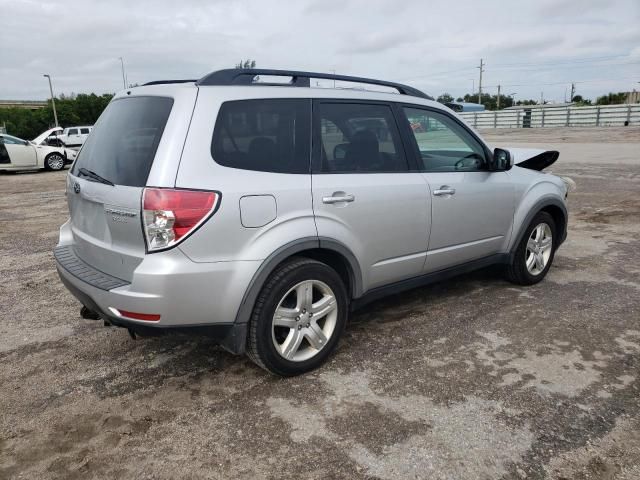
49,137
74,136
465,107
18,154
262,215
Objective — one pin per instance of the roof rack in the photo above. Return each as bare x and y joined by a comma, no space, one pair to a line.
245,76
163,82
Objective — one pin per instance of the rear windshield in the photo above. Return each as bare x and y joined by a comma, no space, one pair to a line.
124,141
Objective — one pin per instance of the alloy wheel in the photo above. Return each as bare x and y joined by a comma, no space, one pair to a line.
304,320
55,162
539,248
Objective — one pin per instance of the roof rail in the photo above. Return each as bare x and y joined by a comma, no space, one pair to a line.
163,82
245,76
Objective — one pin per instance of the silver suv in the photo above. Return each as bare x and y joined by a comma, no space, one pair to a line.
262,213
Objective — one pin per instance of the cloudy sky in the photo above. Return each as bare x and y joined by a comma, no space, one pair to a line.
528,46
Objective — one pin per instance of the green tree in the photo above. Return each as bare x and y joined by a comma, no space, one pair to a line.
444,98
81,109
246,64
612,99
580,101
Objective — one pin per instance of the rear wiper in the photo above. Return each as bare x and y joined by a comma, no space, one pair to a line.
95,176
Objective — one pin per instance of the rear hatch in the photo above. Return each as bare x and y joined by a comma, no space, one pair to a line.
106,182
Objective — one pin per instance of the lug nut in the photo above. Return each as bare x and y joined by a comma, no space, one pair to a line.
297,319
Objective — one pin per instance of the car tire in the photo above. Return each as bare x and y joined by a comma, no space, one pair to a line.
535,252
284,336
54,161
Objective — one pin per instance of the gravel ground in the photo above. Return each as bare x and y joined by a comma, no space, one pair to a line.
470,379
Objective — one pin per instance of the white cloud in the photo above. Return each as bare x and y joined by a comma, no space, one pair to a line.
432,45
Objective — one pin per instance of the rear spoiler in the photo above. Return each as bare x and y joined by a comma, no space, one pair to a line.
533,158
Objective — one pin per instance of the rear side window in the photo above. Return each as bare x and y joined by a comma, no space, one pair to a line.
269,135
359,138
124,140
84,131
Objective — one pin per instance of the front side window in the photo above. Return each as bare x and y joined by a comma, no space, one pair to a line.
73,131
359,138
10,140
444,145
266,135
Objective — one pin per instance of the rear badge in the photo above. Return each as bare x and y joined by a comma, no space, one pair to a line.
76,187
119,215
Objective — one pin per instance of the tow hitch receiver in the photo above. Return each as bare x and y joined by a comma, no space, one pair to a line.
89,314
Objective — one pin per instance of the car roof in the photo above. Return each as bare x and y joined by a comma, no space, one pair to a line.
234,78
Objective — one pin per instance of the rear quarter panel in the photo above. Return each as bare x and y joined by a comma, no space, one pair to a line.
223,237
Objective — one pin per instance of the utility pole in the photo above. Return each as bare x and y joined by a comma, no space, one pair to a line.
53,100
480,83
541,98
498,106
124,78
573,91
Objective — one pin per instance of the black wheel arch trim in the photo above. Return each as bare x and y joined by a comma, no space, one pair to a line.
545,201
286,251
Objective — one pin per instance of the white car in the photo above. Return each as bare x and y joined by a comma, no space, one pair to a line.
74,136
50,137
18,154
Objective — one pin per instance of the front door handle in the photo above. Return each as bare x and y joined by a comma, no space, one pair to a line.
338,199
444,190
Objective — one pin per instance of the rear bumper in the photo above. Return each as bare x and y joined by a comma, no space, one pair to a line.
188,296
231,336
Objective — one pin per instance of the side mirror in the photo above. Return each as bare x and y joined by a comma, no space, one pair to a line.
501,161
27,142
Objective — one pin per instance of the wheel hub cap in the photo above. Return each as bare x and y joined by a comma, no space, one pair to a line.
539,248
304,320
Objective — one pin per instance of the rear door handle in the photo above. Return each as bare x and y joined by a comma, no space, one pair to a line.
338,199
444,190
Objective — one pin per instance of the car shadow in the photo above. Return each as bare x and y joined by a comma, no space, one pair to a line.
401,305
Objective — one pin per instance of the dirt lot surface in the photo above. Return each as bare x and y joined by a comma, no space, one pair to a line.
470,379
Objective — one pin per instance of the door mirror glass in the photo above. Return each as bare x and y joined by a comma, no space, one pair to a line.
502,160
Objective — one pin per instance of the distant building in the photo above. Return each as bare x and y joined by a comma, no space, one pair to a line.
633,97
26,104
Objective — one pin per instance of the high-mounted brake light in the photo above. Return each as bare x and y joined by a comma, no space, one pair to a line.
169,215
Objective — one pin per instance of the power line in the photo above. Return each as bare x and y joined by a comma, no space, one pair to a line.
551,66
530,64
563,62
562,83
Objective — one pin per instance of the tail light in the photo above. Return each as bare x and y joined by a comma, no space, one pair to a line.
170,215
